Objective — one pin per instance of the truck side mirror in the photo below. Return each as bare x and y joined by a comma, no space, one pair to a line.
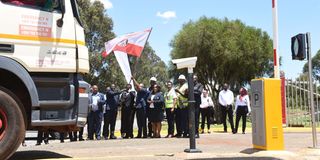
63,11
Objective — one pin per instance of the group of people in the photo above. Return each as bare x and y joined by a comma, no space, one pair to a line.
149,105
242,108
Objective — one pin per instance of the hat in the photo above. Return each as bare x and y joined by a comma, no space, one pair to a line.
182,77
153,79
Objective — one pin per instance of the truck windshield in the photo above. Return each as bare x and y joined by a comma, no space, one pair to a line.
46,5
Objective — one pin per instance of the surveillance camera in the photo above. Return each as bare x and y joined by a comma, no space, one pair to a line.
185,62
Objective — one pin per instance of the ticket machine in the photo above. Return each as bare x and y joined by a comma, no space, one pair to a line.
267,132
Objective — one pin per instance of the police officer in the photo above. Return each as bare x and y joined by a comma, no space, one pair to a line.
111,111
140,105
127,112
182,109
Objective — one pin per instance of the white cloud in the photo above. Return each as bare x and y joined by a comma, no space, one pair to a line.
107,4
167,14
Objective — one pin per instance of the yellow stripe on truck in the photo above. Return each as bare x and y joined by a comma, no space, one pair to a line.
47,39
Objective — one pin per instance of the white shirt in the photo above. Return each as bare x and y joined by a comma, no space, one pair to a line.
206,102
95,100
226,97
152,104
244,102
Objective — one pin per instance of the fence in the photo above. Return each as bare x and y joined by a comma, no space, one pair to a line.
298,103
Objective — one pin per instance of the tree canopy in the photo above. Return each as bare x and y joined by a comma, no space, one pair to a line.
315,66
228,51
106,71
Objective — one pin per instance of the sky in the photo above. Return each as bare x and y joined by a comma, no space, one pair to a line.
167,17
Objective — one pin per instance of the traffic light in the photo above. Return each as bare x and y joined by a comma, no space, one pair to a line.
298,47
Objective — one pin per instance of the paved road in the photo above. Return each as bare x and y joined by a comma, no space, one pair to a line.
214,146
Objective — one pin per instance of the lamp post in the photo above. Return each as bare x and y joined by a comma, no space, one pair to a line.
190,64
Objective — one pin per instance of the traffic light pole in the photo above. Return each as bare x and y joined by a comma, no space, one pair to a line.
313,121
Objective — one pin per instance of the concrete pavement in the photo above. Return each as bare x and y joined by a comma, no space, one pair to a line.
214,146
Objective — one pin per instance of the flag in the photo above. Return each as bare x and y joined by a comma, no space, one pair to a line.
123,61
132,43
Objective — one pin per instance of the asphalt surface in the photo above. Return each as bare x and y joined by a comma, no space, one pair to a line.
213,146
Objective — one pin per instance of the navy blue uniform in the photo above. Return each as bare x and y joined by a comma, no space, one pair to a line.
111,112
141,104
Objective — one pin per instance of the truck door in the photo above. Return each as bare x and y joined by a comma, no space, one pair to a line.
29,34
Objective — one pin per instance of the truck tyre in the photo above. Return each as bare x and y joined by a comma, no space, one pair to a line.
12,126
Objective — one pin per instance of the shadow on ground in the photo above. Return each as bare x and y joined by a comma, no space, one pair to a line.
242,158
31,155
250,151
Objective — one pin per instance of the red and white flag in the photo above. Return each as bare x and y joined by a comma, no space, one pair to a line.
132,43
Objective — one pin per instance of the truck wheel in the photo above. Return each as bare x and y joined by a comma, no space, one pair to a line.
12,126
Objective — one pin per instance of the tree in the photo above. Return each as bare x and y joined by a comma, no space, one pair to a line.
227,51
315,66
147,66
98,29
106,71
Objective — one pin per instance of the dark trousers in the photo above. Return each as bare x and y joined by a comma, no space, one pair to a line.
170,119
73,136
142,122
205,115
227,110
42,136
81,133
182,121
110,118
94,124
178,121
149,123
127,121
197,116
241,112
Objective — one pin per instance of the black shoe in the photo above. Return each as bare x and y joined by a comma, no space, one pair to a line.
106,138
81,139
38,143
61,141
144,136
177,135
46,142
113,137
